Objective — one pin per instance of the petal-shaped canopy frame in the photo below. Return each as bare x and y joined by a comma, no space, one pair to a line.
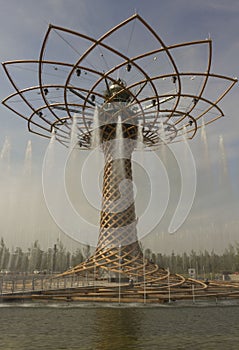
166,101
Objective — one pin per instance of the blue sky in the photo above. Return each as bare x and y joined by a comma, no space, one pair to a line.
23,25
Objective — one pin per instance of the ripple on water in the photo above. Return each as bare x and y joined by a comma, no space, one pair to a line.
86,326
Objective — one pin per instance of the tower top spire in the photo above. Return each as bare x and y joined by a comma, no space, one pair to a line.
117,92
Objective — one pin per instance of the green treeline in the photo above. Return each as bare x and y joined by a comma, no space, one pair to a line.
206,264
59,259
55,259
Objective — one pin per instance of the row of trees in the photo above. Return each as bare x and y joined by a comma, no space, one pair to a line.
58,259
206,264
55,259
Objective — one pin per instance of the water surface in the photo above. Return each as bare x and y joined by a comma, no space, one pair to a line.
89,327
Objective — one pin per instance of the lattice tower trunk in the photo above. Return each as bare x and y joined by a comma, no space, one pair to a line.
118,232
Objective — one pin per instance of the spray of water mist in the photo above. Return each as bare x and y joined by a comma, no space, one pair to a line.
223,158
18,196
140,138
27,169
74,133
205,145
119,148
95,136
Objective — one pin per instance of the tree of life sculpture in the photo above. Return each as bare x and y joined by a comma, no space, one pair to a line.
116,98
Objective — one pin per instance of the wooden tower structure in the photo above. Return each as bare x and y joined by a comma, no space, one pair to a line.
140,94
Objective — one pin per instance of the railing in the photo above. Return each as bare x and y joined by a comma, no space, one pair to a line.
10,284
